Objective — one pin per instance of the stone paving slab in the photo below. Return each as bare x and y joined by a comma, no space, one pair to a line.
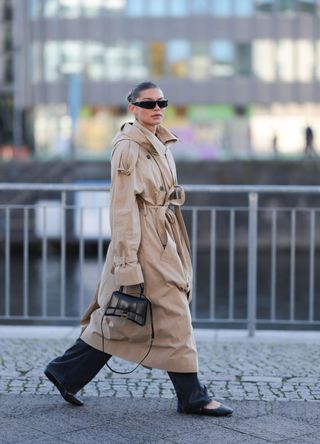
239,369
34,419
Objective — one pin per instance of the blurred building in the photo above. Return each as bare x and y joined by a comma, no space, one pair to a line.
242,76
6,73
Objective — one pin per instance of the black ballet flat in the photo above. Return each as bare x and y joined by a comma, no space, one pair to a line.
67,396
222,410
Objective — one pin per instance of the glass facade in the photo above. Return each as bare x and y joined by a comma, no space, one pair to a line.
222,54
264,6
243,8
206,131
308,6
72,9
6,43
6,80
6,119
318,60
287,6
178,56
286,123
285,60
264,60
176,50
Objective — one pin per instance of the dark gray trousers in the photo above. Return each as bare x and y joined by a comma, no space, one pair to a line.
81,362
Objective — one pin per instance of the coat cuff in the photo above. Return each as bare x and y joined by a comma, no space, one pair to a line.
128,274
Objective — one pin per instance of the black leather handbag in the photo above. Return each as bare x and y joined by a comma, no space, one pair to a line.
133,308
125,305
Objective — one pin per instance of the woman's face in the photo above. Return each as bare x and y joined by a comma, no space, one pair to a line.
149,118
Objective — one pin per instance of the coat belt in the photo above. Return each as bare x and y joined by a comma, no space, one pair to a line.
164,212
172,213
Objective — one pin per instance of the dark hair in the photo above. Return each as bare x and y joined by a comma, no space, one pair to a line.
136,90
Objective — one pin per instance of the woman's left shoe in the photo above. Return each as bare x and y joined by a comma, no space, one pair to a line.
67,396
222,410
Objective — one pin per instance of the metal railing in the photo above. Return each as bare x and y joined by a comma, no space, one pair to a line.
254,264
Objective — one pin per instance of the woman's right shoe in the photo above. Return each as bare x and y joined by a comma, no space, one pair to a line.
222,410
67,396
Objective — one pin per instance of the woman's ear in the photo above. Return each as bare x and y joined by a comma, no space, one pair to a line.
131,108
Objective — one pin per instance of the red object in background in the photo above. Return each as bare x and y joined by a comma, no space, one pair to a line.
10,152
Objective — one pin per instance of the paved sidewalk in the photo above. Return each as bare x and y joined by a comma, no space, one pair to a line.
271,366
272,381
33,419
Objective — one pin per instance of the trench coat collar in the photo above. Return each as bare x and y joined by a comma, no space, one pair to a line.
156,143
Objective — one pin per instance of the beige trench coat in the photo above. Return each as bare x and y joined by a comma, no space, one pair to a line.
149,244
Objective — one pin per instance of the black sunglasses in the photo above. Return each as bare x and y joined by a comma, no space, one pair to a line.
151,104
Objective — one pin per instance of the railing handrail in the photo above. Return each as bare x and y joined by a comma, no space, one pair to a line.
70,222
301,189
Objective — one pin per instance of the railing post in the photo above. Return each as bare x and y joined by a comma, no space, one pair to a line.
252,262
63,254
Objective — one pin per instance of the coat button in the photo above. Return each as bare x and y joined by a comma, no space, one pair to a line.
148,156
161,188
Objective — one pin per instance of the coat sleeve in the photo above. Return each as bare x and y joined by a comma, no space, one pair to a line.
124,214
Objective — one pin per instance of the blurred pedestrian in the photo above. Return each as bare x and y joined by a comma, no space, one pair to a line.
275,145
309,147
149,246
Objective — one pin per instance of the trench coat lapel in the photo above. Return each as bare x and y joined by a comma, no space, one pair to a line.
157,145
160,146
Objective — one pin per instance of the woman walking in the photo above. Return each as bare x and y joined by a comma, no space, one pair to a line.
150,247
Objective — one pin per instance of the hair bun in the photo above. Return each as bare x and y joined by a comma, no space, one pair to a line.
136,90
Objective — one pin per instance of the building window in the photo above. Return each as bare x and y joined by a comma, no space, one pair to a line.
121,60
305,61
6,69
6,118
222,58
94,8
36,64
8,10
178,7
137,65
91,9
318,60
264,5
70,9
178,54
8,38
286,6
52,61
50,8
110,7
243,8
136,8
199,64
34,8
157,59
115,67
308,6
243,59
94,60
72,56
221,8
285,60
198,7
157,8
263,60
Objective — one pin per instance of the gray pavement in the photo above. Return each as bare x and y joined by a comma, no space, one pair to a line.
272,381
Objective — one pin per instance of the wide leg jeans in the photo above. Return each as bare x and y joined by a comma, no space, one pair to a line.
81,363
